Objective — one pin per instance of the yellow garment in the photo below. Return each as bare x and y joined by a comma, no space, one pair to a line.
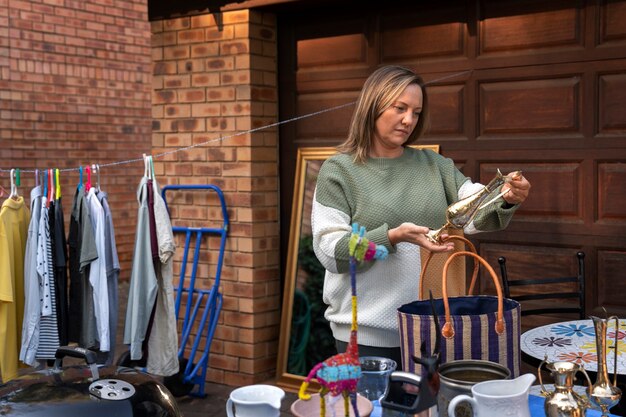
8,329
14,218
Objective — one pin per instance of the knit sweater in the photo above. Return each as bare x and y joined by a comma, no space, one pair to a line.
381,194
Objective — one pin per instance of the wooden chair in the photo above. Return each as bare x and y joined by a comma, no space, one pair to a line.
545,295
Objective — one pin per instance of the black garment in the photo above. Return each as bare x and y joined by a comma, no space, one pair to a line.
59,250
76,283
82,252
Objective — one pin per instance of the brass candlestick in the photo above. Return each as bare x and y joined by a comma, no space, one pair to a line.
603,394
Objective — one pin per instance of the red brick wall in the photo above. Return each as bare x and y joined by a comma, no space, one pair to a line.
75,90
76,81
212,81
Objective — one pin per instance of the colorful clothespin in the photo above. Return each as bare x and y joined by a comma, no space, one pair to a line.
88,183
50,187
45,186
80,178
58,182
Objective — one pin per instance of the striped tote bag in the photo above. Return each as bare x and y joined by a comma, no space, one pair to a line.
473,327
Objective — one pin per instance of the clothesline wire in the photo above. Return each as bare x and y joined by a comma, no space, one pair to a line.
222,138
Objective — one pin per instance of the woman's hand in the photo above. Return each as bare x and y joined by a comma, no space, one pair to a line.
412,233
518,190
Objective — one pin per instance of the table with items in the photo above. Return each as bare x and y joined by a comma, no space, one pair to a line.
574,341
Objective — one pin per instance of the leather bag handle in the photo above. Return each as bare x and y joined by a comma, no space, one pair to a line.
448,329
471,247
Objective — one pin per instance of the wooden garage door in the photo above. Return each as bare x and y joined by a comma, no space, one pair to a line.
531,85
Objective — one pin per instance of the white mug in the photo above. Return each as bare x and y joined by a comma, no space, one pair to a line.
507,397
255,401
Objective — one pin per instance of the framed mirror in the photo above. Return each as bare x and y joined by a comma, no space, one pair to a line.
305,336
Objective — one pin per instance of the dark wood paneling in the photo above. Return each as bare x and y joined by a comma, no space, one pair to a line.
446,110
526,262
537,86
610,288
327,124
556,189
612,28
528,106
430,41
424,32
509,26
332,50
612,103
611,195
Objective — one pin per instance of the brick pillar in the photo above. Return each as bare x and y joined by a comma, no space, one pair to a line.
214,78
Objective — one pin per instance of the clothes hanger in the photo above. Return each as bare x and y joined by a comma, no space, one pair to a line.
95,168
146,166
36,178
152,176
13,194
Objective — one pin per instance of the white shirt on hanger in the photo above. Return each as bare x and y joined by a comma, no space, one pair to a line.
97,271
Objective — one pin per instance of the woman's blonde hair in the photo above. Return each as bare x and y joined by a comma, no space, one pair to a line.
381,89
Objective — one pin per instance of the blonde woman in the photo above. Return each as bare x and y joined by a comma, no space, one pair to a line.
398,193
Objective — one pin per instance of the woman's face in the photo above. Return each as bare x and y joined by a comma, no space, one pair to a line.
396,123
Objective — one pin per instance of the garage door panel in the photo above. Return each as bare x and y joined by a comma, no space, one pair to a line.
441,40
530,106
556,189
328,124
332,50
612,28
323,83
611,264
521,25
611,197
430,30
446,114
612,103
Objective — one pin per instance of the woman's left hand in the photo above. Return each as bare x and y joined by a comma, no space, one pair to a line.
518,190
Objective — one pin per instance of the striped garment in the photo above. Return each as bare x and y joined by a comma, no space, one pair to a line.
381,194
49,330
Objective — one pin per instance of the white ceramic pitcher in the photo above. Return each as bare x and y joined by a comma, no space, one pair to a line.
255,401
506,397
